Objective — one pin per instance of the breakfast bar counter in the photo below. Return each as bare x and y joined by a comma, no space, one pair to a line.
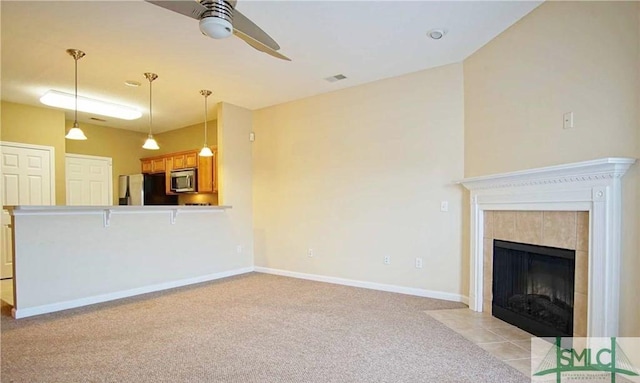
71,256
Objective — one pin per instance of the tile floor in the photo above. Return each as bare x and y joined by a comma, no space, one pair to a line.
504,341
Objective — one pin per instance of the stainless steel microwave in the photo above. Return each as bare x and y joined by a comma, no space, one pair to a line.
184,181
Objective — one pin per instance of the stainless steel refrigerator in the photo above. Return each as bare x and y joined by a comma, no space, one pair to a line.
144,189
131,189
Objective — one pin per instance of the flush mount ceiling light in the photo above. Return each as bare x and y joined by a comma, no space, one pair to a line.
150,143
132,83
437,34
206,151
63,100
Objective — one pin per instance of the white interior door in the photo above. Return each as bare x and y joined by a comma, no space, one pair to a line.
6,256
89,180
28,178
27,175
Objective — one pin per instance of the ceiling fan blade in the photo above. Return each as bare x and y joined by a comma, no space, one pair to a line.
190,8
248,28
259,46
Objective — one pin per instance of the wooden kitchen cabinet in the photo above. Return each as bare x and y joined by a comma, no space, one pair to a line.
153,165
207,173
185,160
146,166
158,165
191,159
178,161
206,167
168,167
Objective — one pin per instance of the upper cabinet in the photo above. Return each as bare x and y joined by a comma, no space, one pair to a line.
146,166
185,160
206,166
158,165
153,165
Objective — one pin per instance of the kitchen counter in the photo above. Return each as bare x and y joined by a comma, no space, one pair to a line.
108,211
72,256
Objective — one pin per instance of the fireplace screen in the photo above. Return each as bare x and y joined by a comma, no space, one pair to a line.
533,287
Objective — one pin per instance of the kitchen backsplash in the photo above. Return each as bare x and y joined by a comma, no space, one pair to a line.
188,198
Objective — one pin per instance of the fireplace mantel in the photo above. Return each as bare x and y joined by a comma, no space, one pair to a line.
592,186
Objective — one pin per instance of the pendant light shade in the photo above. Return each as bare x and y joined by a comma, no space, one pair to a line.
206,151
150,143
75,133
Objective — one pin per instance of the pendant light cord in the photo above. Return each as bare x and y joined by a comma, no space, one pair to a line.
75,116
150,77
150,105
77,54
205,120
205,93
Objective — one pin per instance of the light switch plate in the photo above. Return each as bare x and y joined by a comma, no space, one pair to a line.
567,120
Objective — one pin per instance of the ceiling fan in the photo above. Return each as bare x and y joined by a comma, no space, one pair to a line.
219,19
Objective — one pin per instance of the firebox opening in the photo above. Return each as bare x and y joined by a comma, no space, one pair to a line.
533,287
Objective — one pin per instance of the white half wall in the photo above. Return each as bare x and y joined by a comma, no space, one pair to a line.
68,260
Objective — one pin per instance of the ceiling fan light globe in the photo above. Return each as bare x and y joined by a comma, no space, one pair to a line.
216,27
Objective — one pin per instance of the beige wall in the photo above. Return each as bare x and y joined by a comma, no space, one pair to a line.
124,147
187,138
236,176
631,265
358,174
563,56
37,126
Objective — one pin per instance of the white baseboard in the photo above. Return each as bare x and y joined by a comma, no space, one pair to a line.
53,307
366,285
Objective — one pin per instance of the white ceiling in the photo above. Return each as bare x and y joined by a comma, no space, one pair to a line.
364,40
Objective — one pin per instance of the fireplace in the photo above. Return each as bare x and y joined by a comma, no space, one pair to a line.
593,187
533,287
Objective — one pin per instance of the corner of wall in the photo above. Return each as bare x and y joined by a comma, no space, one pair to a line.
235,186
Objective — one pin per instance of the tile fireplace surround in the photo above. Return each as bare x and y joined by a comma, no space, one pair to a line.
589,186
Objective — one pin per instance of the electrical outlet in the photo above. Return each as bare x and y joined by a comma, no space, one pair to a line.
419,263
387,260
310,253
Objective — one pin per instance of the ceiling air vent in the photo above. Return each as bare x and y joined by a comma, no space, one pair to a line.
335,78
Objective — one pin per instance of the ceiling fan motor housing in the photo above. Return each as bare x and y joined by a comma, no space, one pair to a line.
217,20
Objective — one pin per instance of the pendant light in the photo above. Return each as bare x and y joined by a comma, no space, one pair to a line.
75,133
206,151
150,143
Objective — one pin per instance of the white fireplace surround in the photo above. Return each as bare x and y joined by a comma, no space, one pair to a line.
592,186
